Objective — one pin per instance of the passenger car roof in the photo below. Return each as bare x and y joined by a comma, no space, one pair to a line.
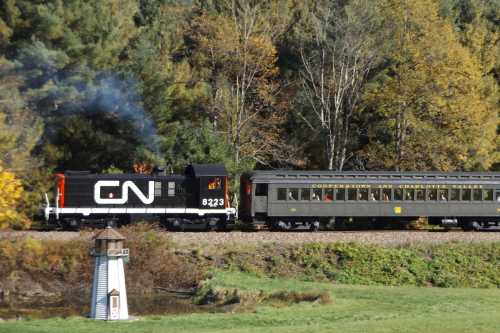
370,175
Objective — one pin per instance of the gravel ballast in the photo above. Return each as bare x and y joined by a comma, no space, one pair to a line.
214,238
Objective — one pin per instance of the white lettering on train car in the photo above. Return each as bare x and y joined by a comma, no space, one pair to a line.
125,189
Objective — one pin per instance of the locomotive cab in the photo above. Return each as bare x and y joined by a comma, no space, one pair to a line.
210,184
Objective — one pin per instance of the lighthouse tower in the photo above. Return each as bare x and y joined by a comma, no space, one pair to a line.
109,296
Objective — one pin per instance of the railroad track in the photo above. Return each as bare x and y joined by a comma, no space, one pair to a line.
385,237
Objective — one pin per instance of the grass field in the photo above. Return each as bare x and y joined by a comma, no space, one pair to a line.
352,309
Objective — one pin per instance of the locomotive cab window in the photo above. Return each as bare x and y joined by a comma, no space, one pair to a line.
214,184
261,190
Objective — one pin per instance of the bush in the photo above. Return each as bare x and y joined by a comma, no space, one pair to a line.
62,266
443,265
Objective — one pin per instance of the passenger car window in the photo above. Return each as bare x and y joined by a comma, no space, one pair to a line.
466,194
386,194
398,194
488,195
261,189
351,194
316,195
305,194
374,194
476,194
363,194
293,194
431,194
282,194
454,194
443,195
409,194
328,195
420,195
340,194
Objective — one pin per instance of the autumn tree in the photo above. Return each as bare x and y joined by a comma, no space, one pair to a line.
336,62
20,131
429,114
11,190
239,54
476,23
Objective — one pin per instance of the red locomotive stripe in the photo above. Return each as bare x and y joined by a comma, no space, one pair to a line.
225,193
60,187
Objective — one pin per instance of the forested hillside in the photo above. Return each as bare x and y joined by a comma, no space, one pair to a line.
122,85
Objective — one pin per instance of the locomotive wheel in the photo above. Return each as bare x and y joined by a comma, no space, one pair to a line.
71,224
221,225
314,226
472,226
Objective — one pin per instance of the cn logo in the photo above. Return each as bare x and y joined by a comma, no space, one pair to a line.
125,189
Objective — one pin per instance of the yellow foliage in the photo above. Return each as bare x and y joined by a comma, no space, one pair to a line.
434,89
10,193
243,63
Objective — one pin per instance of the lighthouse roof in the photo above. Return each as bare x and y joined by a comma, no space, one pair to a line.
109,234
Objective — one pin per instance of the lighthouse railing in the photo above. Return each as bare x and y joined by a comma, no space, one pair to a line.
111,253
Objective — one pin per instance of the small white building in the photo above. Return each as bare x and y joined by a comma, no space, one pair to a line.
109,296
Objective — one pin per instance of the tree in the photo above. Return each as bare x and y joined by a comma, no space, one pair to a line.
11,190
173,95
20,131
241,58
93,32
336,62
429,114
476,22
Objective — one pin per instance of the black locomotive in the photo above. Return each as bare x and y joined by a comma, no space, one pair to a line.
198,197
279,199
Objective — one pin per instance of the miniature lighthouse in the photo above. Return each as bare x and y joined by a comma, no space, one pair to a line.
109,296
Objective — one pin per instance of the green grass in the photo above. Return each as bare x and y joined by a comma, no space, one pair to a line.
354,309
